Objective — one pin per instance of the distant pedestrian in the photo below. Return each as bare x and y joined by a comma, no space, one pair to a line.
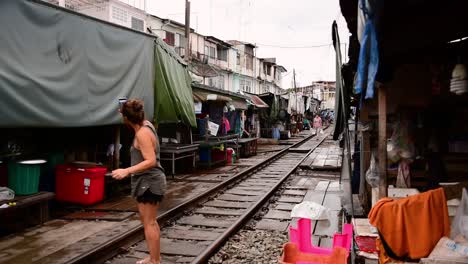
306,124
317,124
147,176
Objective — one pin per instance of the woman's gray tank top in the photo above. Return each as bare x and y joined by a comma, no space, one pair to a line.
152,179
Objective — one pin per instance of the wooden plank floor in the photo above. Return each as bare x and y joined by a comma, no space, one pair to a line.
326,157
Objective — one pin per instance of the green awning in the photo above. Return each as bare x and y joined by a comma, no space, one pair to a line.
172,87
206,97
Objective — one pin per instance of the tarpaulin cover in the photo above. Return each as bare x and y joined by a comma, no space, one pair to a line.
173,91
60,69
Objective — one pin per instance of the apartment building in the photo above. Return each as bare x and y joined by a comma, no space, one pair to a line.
227,65
113,11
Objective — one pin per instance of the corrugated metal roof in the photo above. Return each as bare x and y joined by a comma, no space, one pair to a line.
257,101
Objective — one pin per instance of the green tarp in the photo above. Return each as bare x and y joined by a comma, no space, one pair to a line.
173,99
61,69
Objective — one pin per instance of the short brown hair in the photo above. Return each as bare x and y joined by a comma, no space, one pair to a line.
133,110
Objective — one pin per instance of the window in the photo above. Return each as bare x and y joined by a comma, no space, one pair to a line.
238,58
265,88
170,39
119,14
246,85
210,52
222,53
137,24
182,40
220,82
269,70
249,62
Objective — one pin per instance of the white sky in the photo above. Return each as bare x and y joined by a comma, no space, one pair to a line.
285,23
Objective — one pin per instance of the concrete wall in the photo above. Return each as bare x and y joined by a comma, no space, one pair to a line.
121,14
100,12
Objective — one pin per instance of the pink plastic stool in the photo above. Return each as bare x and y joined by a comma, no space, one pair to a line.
302,237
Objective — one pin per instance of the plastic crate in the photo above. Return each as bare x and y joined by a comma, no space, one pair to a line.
79,185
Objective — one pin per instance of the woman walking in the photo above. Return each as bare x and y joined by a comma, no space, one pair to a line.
317,124
147,175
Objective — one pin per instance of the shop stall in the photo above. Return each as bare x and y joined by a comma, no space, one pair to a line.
47,122
407,78
221,123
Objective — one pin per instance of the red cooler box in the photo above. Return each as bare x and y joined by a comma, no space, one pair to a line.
79,185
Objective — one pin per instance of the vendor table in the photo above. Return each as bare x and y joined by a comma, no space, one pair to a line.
211,143
248,147
28,210
173,152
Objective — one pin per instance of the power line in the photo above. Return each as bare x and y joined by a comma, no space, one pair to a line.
297,47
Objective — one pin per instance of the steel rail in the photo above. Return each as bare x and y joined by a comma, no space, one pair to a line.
105,251
247,216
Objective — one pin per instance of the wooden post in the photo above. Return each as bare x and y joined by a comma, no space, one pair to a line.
116,156
382,97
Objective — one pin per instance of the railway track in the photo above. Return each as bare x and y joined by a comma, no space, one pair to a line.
193,231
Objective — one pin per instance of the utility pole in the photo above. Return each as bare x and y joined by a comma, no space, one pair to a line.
295,90
187,30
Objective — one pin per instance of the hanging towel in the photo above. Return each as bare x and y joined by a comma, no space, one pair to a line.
411,227
368,64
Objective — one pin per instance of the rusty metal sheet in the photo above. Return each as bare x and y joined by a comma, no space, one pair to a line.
278,214
216,211
200,220
269,224
235,198
224,204
289,199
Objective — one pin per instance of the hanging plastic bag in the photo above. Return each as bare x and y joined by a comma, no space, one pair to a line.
372,174
403,178
310,210
400,145
460,222
6,194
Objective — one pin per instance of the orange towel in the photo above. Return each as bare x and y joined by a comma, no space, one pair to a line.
411,227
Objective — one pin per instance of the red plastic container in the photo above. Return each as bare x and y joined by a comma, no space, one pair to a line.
79,185
229,156
217,155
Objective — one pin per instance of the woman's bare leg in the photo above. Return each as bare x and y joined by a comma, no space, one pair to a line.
148,214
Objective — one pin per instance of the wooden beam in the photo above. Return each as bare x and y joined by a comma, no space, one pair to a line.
382,153
116,156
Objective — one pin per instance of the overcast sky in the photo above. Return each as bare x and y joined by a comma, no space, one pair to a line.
270,24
